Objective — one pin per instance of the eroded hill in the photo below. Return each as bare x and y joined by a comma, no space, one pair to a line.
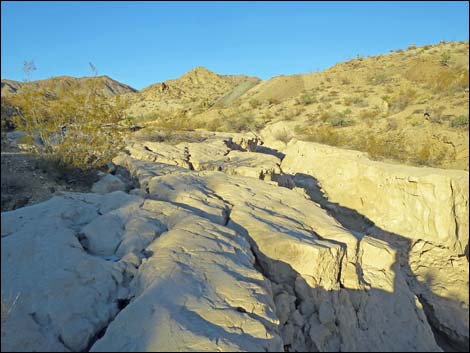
410,106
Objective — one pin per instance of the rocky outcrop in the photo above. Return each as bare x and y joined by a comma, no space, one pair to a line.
76,261
108,183
424,210
418,203
211,255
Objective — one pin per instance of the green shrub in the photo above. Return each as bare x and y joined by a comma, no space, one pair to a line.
307,99
341,119
379,79
254,103
241,123
460,121
77,126
445,58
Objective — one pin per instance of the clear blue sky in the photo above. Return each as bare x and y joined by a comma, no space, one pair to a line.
140,43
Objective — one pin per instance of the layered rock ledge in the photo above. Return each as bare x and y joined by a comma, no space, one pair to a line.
209,253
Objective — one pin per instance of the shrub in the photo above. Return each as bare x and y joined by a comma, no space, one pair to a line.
461,81
323,134
368,114
282,135
307,99
325,116
292,113
241,123
7,112
379,79
416,122
411,46
341,119
77,127
404,98
254,103
273,101
380,147
445,58
460,121
357,101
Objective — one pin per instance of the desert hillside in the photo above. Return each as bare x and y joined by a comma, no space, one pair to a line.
319,212
192,93
108,86
409,106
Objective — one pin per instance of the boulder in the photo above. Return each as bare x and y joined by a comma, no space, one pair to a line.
108,184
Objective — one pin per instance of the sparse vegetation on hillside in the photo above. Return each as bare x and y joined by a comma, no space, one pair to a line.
461,121
412,95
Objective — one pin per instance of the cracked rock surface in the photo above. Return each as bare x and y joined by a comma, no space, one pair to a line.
211,254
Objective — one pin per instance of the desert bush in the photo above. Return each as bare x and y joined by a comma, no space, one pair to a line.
429,154
461,81
416,121
369,114
357,101
322,134
254,103
266,117
307,99
282,135
411,46
341,119
213,125
443,80
379,79
292,113
445,58
241,123
325,116
326,98
77,127
273,101
460,122
402,100
7,112
383,147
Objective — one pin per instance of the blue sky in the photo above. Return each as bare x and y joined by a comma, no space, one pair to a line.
140,43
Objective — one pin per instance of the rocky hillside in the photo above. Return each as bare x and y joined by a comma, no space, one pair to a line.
409,106
221,243
108,86
190,94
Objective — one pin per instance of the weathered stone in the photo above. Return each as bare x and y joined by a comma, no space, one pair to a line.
108,184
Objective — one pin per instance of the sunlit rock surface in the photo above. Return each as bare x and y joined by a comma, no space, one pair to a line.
211,254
